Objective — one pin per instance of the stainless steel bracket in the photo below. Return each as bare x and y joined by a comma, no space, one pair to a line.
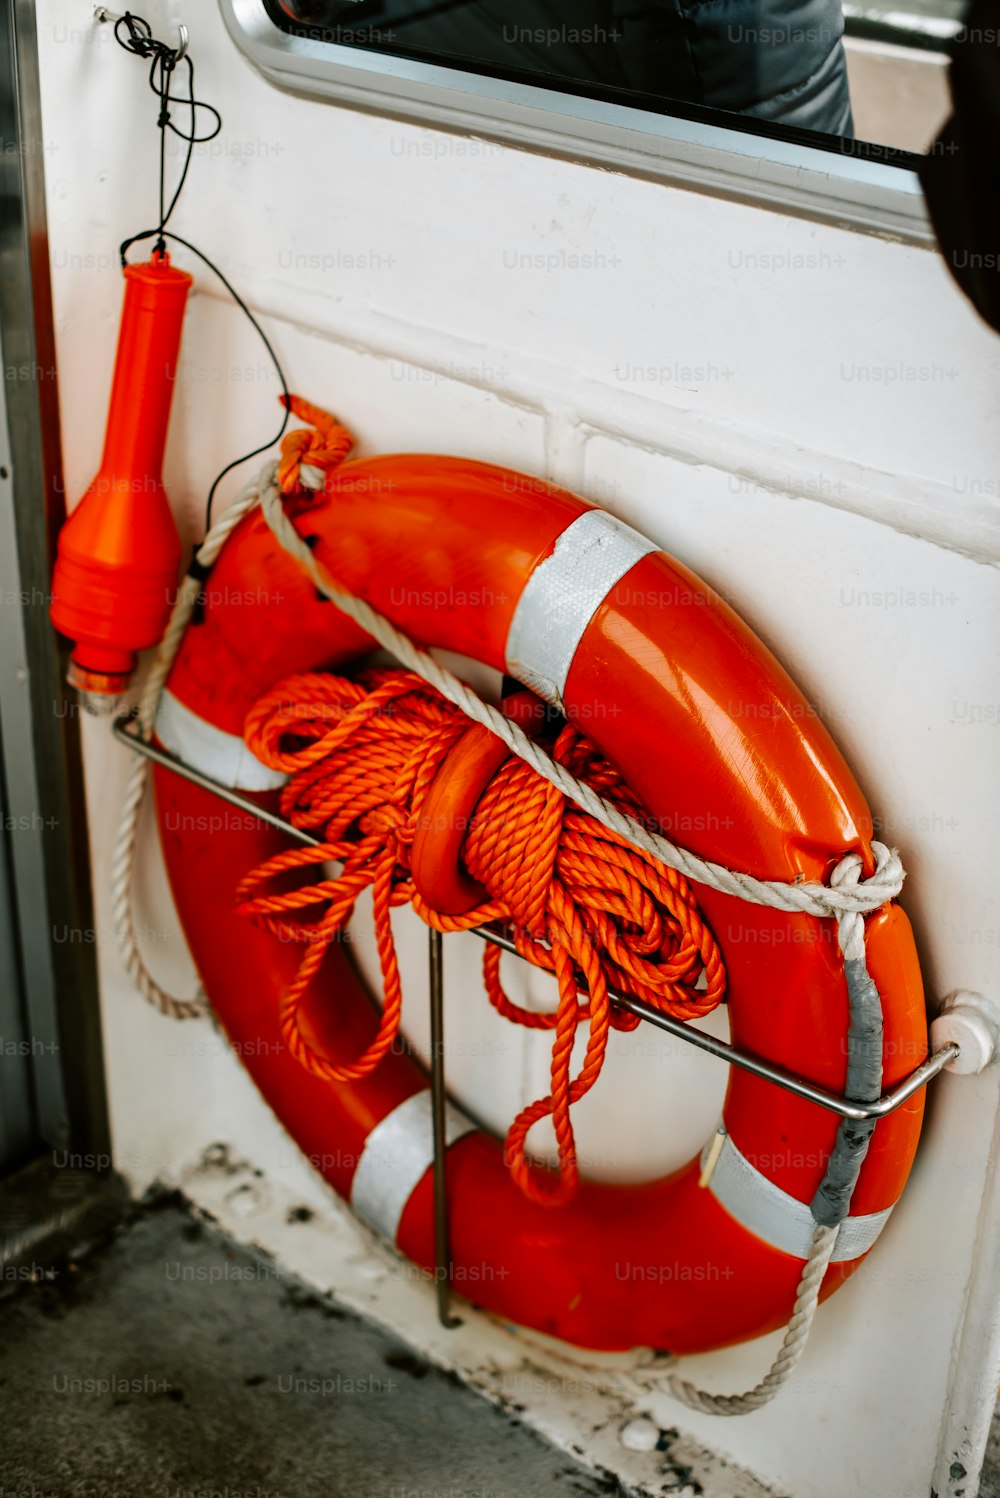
844,1107
834,1103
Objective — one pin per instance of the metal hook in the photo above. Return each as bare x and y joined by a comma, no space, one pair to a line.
101,13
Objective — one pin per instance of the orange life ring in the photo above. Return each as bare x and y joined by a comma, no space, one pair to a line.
729,758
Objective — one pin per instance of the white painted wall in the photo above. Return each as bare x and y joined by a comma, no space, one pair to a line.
808,417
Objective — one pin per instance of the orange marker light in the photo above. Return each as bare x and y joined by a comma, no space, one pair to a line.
119,552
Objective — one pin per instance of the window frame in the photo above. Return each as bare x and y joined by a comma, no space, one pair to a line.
868,189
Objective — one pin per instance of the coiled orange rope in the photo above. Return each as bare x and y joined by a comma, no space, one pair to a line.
583,903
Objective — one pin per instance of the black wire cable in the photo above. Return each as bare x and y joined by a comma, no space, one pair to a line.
136,36
169,234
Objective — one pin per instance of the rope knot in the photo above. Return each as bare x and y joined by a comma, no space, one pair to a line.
878,889
307,455
857,897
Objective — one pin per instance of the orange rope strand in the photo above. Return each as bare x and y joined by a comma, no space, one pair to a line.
583,903
325,446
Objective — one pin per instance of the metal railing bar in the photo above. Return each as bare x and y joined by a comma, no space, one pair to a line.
680,1029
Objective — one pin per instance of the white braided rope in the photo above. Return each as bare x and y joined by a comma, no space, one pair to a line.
850,925
793,1344
846,899
649,1371
123,859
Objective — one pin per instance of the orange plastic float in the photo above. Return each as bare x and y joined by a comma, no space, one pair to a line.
729,759
119,552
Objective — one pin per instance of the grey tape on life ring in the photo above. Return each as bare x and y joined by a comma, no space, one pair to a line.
780,1220
222,756
832,1201
397,1154
563,594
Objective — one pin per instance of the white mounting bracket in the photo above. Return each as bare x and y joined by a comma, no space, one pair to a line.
972,1022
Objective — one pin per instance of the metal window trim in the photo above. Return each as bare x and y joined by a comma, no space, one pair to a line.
850,192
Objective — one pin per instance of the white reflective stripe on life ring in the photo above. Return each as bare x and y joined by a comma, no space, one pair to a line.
563,594
222,756
780,1220
397,1154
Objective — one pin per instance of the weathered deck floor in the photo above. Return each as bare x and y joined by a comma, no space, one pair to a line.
173,1363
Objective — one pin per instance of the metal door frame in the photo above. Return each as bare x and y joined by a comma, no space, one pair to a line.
40,756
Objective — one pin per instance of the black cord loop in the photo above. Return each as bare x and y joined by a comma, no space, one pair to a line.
135,35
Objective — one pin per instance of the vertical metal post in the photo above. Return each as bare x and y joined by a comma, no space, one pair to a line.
442,1245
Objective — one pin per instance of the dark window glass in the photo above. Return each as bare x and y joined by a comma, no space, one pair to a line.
769,60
